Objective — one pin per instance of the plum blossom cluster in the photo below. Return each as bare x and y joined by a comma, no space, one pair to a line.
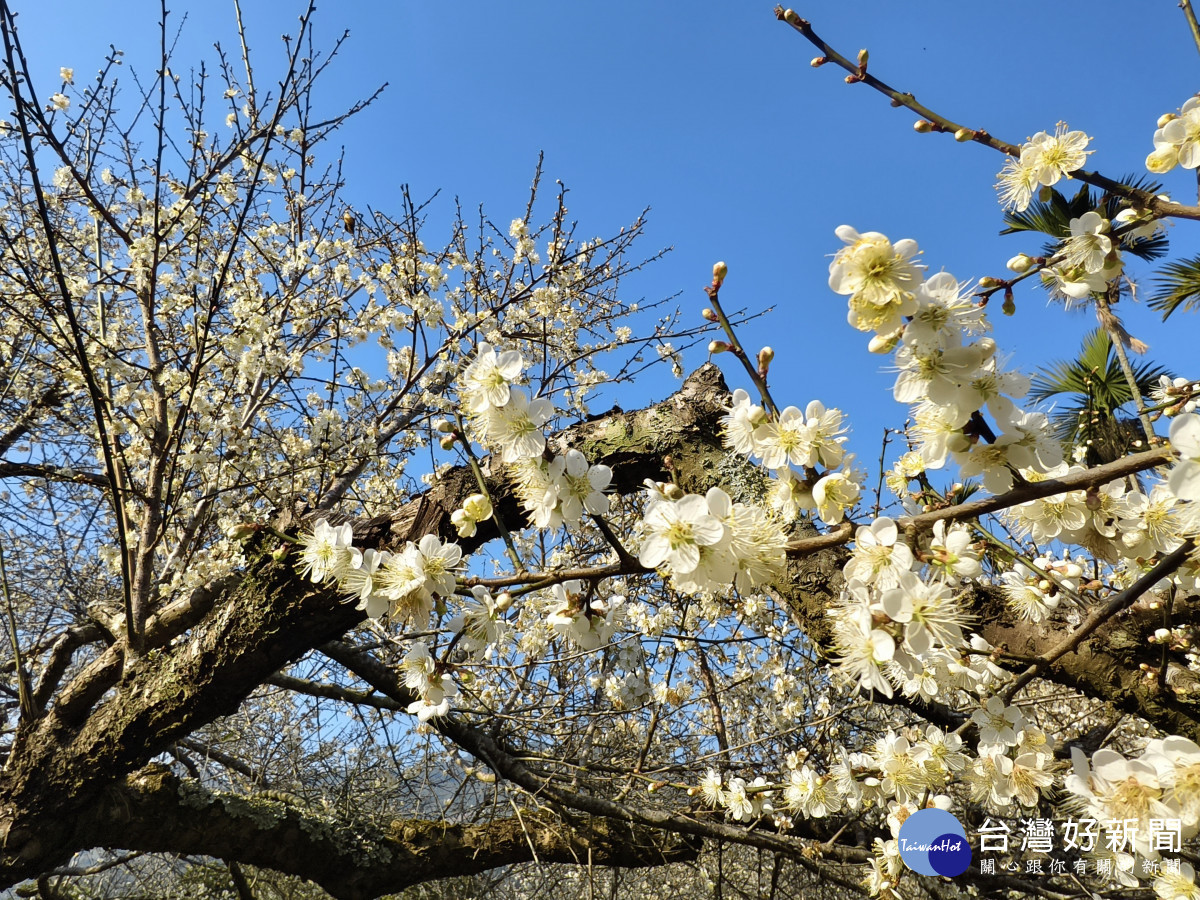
553,491
899,773
813,440
707,543
899,621
1177,139
1043,160
949,379
587,621
1162,782
1088,261
404,585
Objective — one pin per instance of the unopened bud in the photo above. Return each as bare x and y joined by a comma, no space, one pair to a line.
964,134
923,126
447,442
279,553
1164,119
1161,161
1020,264
673,492
242,531
852,79
1045,193
720,270
884,343
715,347
709,315
485,777
987,281
1009,306
478,507
863,56
765,355
818,61
504,601
792,18
445,426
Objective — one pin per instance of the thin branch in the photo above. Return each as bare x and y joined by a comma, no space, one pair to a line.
1118,602
1193,25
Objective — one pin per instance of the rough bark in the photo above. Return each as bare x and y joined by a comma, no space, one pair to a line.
153,810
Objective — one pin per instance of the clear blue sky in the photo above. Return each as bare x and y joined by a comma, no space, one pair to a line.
709,113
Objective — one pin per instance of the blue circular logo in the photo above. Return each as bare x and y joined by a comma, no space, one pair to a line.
933,842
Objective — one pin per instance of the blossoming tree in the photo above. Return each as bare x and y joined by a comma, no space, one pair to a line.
316,562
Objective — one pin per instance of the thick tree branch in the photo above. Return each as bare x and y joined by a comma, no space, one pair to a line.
155,811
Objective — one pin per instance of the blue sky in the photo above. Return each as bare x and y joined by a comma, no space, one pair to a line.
709,114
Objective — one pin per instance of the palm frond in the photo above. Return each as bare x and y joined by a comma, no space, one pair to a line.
1095,376
1177,285
1053,216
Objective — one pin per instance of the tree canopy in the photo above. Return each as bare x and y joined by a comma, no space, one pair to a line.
322,576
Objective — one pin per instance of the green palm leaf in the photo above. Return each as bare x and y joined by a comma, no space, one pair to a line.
1177,286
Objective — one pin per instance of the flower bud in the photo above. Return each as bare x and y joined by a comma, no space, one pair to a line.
242,531
720,270
863,56
673,492
765,355
1020,264
279,553
922,126
445,426
1009,307
717,347
1162,161
478,507
852,79
790,16
1164,119
504,601
709,315
817,61
987,281
964,134
884,343
447,442
463,523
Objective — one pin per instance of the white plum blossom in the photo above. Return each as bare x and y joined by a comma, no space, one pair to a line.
835,493
1088,245
951,554
1177,141
516,428
675,532
1054,156
480,620
412,578
434,688
739,423
863,650
880,278
1184,478
877,558
325,551
486,381
582,487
